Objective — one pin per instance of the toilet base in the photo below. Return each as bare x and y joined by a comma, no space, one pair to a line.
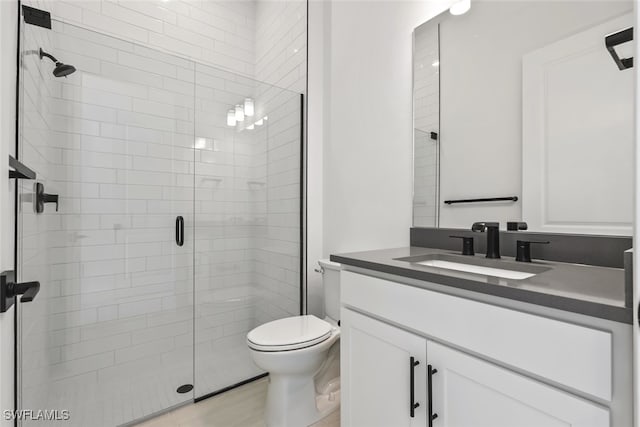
292,402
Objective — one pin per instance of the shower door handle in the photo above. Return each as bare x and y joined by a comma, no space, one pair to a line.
179,230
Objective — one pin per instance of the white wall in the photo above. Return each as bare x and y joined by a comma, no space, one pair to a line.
7,136
318,105
368,148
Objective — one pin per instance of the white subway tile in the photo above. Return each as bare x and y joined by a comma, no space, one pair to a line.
114,26
114,10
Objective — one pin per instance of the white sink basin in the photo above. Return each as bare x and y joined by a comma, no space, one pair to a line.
478,269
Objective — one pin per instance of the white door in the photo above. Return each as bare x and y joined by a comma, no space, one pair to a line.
376,374
578,144
468,391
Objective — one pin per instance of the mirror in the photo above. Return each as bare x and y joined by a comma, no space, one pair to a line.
525,103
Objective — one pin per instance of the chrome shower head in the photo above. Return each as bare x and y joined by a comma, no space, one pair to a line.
61,70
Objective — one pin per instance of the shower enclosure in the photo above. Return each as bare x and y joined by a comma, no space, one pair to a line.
178,227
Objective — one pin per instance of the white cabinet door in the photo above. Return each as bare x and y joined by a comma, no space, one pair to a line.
376,373
468,391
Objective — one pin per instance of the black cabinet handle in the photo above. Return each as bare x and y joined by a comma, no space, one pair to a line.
179,230
431,415
412,392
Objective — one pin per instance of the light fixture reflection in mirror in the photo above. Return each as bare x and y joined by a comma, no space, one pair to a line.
460,7
239,113
231,117
248,107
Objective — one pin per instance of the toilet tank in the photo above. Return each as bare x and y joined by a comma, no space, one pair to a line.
331,287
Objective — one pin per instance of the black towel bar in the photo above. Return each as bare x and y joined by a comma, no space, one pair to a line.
490,199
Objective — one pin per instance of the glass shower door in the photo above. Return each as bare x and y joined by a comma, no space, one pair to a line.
247,219
110,336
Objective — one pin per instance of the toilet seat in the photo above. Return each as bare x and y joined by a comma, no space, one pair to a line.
291,333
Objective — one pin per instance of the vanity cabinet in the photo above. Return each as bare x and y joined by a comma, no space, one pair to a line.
477,380
467,391
377,389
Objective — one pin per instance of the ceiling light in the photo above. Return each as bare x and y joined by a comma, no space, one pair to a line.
231,117
460,7
248,107
435,64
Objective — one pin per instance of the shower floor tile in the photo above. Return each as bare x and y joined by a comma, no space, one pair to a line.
240,407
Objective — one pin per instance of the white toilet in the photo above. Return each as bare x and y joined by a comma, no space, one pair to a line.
302,356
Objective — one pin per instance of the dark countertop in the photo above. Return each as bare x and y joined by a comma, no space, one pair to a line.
590,290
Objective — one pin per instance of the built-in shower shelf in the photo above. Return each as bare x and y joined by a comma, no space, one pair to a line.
256,183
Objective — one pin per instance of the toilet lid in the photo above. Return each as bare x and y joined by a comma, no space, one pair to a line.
290,333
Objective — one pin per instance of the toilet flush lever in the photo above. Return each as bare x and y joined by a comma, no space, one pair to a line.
319,270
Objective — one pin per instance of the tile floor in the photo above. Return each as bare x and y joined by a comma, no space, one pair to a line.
240,407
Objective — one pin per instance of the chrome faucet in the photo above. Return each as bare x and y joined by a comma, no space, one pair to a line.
493,237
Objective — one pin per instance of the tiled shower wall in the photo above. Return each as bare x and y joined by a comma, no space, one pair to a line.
281,51
426,120
281,44
221,33
264,40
